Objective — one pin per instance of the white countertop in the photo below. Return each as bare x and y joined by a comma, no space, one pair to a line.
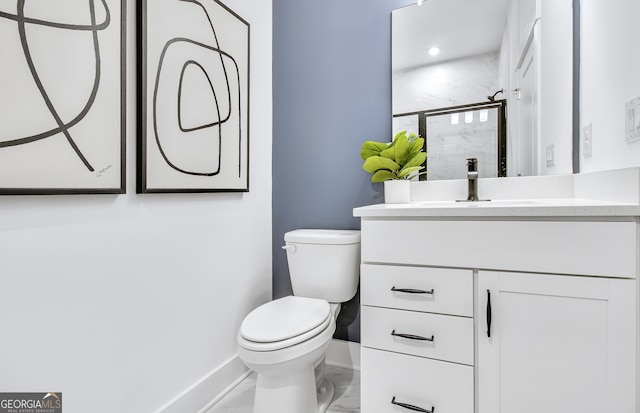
612,193
562,207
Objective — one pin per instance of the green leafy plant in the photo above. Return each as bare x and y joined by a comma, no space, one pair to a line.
400,159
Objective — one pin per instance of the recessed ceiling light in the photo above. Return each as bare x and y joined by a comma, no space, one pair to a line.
434,51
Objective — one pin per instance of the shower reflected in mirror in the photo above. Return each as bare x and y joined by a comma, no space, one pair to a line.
453,134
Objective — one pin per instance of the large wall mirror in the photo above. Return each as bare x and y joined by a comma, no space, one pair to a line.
456,64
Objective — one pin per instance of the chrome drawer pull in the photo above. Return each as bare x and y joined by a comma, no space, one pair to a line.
412,407
411,290
412,337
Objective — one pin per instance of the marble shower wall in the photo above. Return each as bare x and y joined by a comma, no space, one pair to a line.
456,82
450,145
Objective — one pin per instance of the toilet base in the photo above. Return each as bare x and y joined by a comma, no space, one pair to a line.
325,395
292,392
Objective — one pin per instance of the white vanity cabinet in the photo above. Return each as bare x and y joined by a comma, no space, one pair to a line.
563,327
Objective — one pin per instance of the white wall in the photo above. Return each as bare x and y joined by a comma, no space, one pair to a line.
610,76
123,302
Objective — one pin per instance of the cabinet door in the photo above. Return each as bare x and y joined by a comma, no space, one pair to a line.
555,343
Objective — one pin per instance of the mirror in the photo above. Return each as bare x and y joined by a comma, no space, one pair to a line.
515,52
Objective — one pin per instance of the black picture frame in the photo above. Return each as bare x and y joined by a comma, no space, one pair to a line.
193,97
63,100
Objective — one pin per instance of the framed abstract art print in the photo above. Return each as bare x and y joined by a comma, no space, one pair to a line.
62,96
193,97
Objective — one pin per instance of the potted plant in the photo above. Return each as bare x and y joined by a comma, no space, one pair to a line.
394,163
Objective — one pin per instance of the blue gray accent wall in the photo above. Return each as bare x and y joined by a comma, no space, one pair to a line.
331,92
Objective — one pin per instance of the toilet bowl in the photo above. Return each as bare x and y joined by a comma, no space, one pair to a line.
284,341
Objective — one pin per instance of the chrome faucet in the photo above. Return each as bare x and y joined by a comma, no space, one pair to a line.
472,179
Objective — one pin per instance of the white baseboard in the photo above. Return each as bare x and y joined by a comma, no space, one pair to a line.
209,390
344,354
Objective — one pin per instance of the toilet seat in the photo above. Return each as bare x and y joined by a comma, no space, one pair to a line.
283,323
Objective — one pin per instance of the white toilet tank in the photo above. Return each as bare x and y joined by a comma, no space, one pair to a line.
324,263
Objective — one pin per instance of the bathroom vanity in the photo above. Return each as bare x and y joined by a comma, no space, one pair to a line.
520,305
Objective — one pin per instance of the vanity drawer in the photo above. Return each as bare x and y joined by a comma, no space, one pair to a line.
452,289
606,248
448,338
425,383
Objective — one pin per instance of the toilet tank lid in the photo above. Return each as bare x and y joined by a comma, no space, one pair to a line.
323,236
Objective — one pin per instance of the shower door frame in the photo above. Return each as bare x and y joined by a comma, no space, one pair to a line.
500,105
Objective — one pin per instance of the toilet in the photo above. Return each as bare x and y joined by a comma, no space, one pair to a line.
284,341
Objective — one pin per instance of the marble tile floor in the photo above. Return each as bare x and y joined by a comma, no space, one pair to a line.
346,400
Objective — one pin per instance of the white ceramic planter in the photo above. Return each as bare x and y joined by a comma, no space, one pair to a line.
397,191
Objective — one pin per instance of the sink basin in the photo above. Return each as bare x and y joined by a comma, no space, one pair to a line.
475,204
